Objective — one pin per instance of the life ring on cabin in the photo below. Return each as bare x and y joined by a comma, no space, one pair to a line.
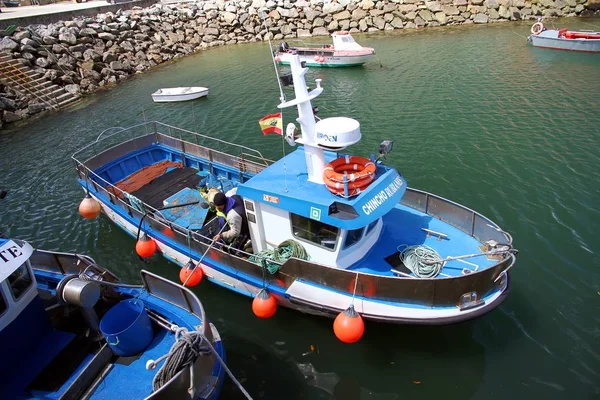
337,170
537,28
355,172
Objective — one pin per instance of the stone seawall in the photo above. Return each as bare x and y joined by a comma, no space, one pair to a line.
89,53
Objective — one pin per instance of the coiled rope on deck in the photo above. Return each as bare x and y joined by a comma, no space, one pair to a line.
421,260
187,347
286,249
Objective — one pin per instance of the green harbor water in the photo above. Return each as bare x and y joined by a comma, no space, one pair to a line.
477,115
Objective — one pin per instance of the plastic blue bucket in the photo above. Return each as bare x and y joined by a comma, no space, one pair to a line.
127,328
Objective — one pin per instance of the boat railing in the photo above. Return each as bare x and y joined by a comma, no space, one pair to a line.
113,139
75,264
177,295
461,217
62,263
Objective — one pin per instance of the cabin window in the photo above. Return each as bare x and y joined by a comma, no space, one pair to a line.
2,303
352,237
19,281
371,226
314,231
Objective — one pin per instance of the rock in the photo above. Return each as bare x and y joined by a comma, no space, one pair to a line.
379,22
7,44
301,33
397,23
367,4
480,19
310,14
7,104
440,17
450,10
492,4
108,58
332,8
106,36
35,107
342,15
358,14
20,36
9,116
493,14
320,31
426,15
42,62
318,22
433,6
229,18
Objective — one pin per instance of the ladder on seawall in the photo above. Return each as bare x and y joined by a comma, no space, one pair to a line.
32,84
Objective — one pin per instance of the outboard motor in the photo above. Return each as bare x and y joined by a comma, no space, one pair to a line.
81,293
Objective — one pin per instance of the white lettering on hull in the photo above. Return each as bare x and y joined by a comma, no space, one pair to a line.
382,196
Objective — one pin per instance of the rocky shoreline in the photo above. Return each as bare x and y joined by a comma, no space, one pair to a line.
90,53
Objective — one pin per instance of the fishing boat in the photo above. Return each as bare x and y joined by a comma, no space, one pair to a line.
329,233
564,39
344,52
179,94
70,329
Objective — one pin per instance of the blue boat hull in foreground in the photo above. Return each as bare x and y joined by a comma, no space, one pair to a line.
55,310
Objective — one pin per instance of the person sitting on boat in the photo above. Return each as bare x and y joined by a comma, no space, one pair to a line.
231,211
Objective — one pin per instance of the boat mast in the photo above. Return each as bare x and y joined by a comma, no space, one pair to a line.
313,154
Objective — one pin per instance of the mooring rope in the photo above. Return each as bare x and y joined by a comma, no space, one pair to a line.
187,347
425,262
421,260
285,250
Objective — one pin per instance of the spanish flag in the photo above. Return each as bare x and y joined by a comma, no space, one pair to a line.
271,123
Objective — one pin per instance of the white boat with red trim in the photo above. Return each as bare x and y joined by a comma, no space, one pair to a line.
564,39
344,52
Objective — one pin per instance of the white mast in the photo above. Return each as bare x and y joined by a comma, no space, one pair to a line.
315,159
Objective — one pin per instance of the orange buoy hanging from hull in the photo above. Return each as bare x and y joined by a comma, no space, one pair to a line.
191,275
349,326
146,246
89,207
264,305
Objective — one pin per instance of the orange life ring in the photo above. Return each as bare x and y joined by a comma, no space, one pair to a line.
537,28
337,170
356,172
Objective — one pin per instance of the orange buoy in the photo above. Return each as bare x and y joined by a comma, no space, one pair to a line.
264,305
89,207
191,275
348,325
277,59
167,231
146,246
317,58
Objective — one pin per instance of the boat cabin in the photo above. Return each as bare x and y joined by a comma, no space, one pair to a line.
23,320
343,40
334,230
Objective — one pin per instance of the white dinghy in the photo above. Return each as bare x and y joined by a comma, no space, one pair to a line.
179,94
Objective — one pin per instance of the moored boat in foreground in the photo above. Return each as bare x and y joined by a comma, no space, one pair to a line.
564,39
328,231
344,52
69,329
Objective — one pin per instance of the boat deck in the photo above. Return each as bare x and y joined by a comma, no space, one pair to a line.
403,226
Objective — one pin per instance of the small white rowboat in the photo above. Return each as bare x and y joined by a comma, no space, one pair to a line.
179,94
